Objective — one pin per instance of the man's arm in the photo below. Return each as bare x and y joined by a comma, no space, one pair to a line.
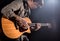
8,11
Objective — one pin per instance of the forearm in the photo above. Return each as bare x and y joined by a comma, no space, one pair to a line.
8,10
8,13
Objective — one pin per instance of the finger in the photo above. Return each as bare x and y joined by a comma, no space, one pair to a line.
38,26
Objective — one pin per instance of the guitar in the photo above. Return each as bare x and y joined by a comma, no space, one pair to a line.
10,30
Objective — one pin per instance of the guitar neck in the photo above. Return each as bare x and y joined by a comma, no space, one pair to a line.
42,24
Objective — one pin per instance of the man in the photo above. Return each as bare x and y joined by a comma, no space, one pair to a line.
19,9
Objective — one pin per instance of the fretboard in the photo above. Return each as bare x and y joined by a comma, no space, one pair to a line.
42,24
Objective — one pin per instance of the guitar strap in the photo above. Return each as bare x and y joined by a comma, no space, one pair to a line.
24,38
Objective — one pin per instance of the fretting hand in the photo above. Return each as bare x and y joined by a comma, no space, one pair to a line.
37,26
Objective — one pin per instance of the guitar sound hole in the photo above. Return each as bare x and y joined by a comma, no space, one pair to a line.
22,29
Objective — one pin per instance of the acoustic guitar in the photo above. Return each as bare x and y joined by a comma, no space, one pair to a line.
10,30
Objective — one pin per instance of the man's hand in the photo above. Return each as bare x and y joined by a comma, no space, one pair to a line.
22,23
38,26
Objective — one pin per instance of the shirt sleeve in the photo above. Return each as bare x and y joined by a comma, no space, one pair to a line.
8,11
